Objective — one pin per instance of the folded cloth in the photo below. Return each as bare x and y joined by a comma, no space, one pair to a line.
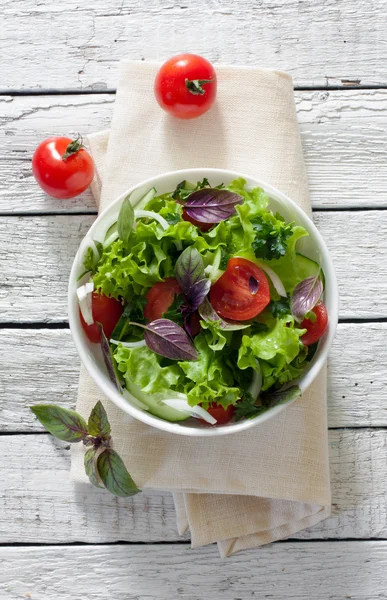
264,484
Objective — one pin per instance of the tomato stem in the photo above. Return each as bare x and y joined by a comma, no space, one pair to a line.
194,86
73,147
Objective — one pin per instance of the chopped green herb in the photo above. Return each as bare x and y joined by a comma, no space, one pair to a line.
280,308
270,238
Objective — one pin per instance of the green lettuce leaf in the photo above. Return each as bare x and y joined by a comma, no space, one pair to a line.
276,348
144,368
209,379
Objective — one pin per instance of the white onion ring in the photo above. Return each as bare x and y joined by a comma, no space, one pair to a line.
85,298
87,243
101,229
196,411
151,215
112,238
256,384
277,283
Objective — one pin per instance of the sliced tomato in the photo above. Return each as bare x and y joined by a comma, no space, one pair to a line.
242,292
160,297
202,226
315,329
106,311
222,415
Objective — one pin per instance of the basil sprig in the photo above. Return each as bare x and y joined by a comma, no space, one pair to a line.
103,466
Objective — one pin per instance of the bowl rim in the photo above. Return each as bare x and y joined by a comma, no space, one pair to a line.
102,380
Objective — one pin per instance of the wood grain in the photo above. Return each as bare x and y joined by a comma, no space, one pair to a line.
344,135
42,366
55,45
37,497
283,571
37,253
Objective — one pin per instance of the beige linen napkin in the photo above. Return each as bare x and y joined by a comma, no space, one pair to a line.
267,483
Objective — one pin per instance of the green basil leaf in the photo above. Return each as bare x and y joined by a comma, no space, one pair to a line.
91,467
114,475
98,423
65,424
125,220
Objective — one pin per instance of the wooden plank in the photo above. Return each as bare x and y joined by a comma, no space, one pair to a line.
42,366
37,253
344,137
284,571
37,497
319,43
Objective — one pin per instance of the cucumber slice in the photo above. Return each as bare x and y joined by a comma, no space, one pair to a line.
308,266
189,186
145,199
155,407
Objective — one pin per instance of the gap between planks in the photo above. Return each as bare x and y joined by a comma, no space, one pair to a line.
113,91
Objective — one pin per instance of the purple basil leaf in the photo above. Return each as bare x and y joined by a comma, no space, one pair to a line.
91,467
211,205
253,285
114,474
189,271
107,356
98,423
208,313
170,340
305,296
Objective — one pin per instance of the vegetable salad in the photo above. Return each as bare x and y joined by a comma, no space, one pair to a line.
202,303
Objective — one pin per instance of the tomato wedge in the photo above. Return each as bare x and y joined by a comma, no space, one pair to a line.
222,415
242,292
106,311
160,297
315,329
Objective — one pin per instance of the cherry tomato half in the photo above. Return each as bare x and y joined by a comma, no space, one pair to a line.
62,167
222,415
242,292
315,329
106,311
185,86
160,297
202,226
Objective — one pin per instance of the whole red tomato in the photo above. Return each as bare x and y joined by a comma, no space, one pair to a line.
185,86
62,167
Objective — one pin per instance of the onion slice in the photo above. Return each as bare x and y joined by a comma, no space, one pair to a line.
279,286
139,344
85,298
151,215
87,243
256,384
196,411
101,229
112,238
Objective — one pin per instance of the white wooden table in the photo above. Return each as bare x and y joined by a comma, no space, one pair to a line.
58,74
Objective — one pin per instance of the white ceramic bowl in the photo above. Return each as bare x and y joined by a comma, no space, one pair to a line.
312,246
